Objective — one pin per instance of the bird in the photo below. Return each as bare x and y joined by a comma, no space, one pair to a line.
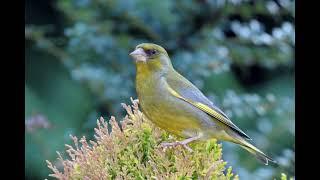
174,104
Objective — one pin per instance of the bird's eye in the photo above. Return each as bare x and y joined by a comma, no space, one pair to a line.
151,52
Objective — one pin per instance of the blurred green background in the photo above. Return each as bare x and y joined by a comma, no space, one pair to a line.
239,52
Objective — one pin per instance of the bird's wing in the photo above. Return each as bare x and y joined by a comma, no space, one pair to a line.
186,91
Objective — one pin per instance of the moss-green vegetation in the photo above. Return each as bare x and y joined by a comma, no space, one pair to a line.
131,151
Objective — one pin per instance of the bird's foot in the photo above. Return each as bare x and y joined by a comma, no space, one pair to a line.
183,143
166,145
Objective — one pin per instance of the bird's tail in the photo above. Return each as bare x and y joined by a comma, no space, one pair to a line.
256,152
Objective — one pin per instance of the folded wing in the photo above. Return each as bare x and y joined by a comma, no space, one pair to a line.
186,91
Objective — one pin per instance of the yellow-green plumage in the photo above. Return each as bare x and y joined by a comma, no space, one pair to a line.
174,104
154,102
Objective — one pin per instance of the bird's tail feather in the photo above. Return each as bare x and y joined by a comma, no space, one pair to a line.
256,152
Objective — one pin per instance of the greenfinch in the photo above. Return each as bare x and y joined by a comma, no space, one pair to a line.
174,104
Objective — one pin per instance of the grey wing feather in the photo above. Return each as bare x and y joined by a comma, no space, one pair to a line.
188,90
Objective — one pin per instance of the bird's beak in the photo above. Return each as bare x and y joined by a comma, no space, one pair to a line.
139,55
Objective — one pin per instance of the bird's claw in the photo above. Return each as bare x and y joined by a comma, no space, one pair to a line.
187,147
165,145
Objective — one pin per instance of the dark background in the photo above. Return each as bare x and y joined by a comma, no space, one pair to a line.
240,53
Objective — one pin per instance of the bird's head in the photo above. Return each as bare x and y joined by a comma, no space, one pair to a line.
152,56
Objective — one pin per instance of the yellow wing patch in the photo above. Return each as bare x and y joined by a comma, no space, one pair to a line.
210,111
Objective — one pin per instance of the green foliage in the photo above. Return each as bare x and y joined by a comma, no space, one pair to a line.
284,177
131,151
240,53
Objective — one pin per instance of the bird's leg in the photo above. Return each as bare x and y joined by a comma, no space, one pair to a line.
180,143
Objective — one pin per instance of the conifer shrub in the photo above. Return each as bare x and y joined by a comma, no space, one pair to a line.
131,151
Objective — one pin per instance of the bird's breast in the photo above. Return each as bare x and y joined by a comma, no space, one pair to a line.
167,111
